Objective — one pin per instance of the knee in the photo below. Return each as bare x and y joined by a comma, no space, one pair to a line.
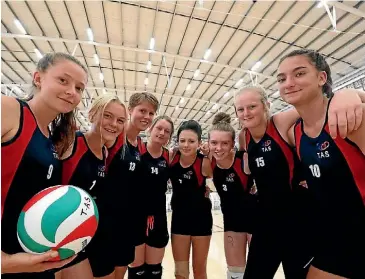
200,270
182,269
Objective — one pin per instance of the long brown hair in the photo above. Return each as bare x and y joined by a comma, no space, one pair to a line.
63,127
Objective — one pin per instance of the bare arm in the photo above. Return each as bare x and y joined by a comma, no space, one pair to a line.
242,140
284,120
358,136
207,168
10,114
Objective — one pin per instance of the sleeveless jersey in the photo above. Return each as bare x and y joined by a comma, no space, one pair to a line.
271,161
155,176
188,186
29,164
124,175
232,185
335,172
83,169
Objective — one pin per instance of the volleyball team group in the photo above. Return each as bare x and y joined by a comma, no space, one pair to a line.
296,184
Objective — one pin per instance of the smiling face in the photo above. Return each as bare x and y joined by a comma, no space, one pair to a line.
61,85
111,123
250,109
299,81
220,144
161,132
188,143
142,115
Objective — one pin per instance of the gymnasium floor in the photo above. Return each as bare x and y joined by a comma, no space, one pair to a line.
216,260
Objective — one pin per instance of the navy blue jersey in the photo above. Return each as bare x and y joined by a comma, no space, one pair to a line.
232,185
271,161
124,186
155,174
83,169
29,164
124,166
188,186
335,173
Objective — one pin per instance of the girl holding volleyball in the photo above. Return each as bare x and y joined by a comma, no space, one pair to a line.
45,122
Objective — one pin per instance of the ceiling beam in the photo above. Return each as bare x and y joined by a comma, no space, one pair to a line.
346,8
175,56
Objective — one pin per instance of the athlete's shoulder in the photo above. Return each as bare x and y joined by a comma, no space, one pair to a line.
10,115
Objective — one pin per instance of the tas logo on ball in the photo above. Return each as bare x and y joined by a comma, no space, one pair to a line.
62,218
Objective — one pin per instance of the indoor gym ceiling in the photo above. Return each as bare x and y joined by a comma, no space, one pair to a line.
192,55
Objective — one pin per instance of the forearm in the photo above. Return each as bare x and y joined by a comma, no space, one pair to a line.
5,263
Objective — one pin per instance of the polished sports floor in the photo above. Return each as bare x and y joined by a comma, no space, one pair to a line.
216,259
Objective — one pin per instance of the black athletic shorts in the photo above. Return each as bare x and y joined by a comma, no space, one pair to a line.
241,218
340,250
158,236
199,224
113,247
235,222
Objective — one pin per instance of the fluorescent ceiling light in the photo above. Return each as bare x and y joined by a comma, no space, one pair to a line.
256,66
146,81
188,87
38,53
152,43
196,73
239,83
90,34
149,65
20,26
96,59
207,53
101,76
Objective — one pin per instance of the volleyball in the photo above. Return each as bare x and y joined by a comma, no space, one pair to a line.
63,218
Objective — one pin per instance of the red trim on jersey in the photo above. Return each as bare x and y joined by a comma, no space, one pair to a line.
39,196
114,149
197,166
274,134
237,166
175,159
297,136
165,154
69,165
12,153
355,160
142,148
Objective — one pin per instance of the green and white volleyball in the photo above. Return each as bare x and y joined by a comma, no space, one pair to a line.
62,218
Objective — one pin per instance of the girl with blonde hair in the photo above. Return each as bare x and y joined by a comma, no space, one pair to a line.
84,167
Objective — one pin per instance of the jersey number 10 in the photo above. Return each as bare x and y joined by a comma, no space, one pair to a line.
316,172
